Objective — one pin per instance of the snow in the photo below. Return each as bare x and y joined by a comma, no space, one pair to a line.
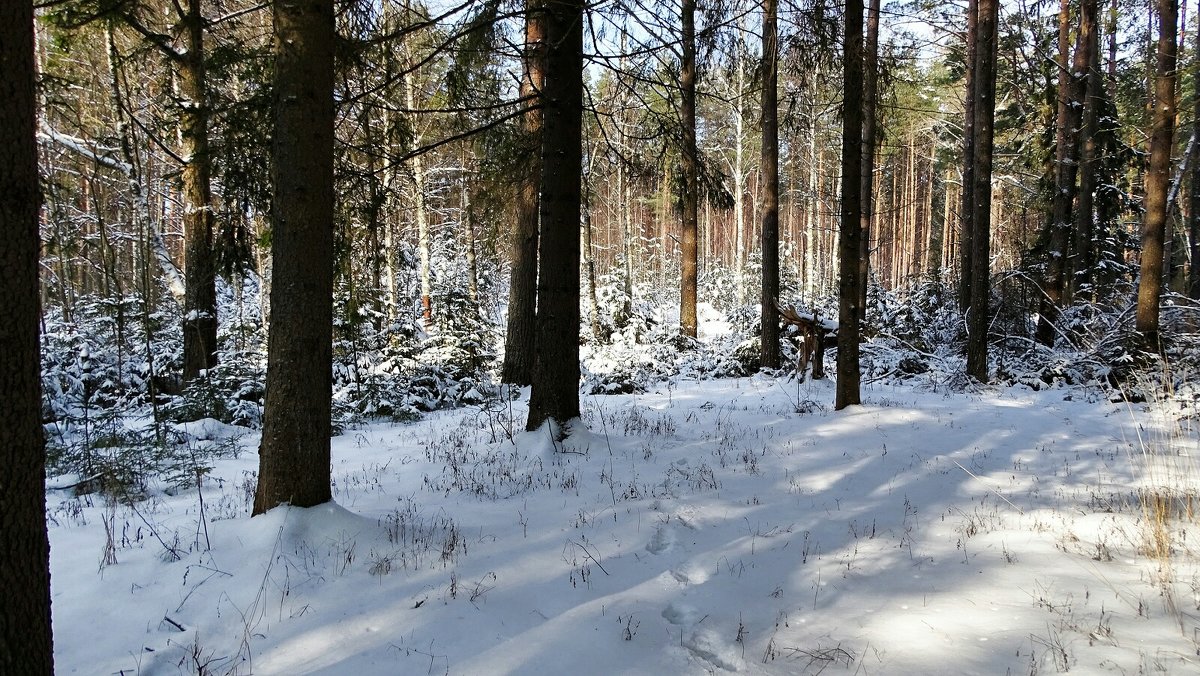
698,528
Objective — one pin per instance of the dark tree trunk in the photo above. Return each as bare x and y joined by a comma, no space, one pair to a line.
522,293
770,188
1194,199
555,391
294,455
25,640
1064,196
966,215
1072,84
985,109
849,308
691,198
200,299
870,93
1158,178
1082,258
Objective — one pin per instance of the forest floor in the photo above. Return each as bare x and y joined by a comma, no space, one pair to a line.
728,525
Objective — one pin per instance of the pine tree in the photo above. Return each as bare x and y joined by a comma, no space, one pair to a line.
981,192
555,391
770,187
850,310
522,295
25,637
1158,175
294,455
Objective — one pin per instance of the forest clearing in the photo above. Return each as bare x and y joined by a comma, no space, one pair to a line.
701,527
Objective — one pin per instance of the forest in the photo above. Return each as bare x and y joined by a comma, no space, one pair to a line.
630,336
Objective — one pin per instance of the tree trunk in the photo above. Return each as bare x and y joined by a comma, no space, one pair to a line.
1071,81
985,108
588,256
939,202
691,198
1158,178
1194,198
468,223
200,305
424,274
25,636
522,289
870,80
555,391
769,349
850,231
966,216
294,455
812,216
625,195
739,180
1082,258
391,145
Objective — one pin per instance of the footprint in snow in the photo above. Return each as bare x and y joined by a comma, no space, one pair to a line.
680,614
662,540
704,644
689,574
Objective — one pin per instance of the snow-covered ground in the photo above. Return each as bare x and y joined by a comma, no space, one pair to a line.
733,525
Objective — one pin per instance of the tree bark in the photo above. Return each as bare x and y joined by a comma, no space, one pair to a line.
870,94
25,635
985,108
849,245
555,391
1154,220
966,214
1194,198
522,289
687,114
200,304
1072,79
739,174
294,454
769,349
1082,257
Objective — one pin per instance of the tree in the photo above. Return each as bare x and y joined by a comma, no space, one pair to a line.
691,198
294,455
555,391
1072,85
522,290
981,191
850,310
200,304
1158,178
770,187
25,635
1194,201
967,209
190,63
1082,257
870,126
